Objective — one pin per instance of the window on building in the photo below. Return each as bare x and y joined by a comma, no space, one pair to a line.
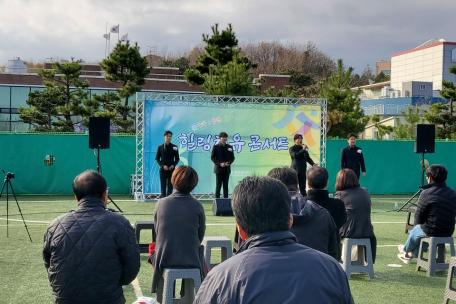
453,55
422,87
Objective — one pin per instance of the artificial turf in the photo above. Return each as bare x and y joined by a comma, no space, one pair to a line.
23,278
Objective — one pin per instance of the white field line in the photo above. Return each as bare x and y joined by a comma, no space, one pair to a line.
28,221
136,288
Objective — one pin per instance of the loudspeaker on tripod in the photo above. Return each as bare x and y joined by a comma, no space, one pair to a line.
99,128
222,206
425,138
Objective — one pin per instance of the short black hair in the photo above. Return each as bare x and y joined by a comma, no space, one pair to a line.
89,183
437,173
287,176
297,136
223,134
317,177
261,204
352,135
168,132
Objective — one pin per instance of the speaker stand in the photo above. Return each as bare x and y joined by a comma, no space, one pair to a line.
422,169
99,171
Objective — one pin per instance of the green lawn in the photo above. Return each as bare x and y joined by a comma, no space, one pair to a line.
23,278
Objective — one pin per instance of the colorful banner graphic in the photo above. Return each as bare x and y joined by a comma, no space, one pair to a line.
260,134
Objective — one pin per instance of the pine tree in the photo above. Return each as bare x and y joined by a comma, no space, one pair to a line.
344,112
444,115
412,117
221,64
382,130
60,105
126,66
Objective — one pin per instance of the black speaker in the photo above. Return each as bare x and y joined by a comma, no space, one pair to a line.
222,206
99,132
425,138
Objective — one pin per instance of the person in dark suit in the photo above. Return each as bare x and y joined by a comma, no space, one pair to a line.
222,156
299,159
351,157
167,158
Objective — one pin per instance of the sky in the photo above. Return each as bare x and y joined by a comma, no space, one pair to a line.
360,32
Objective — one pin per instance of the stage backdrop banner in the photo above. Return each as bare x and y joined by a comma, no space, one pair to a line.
260,134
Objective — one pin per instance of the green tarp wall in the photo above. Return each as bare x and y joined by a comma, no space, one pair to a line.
392,166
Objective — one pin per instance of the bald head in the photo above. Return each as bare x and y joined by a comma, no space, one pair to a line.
89,184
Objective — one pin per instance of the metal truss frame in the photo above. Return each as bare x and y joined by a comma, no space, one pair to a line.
203,100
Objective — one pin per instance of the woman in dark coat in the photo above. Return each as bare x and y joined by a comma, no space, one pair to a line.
180,227
358,206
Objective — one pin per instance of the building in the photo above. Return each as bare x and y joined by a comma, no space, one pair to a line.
428,62
16,84
383,66
265,81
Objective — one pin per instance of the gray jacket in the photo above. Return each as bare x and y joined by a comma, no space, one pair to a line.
89,254
180,225
273,268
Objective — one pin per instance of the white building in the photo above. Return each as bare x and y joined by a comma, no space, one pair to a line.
428,62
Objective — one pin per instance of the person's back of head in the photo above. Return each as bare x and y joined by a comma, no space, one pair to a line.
260,205
346,179
317,178
437,174
287,176
89,184
184,179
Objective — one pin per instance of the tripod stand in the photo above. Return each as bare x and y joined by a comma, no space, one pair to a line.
99,171
9,186
410,204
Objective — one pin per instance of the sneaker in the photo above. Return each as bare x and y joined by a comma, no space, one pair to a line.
404,258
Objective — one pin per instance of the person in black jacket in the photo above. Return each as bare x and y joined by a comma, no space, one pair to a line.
222,156
299,159
317,182
351,157
89,253
313,226
358,206
167,158
435,214
271,267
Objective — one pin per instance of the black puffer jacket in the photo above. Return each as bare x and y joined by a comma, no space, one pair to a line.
436,210
89,254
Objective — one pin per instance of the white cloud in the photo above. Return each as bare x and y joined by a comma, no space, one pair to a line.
358,31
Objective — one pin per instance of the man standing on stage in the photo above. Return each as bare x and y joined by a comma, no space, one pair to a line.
223,156
299,159
351,157
167,158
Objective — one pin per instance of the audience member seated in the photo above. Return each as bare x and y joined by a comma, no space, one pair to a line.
180,227
435,214
358,205
89,253
318,194
313,226
271,267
